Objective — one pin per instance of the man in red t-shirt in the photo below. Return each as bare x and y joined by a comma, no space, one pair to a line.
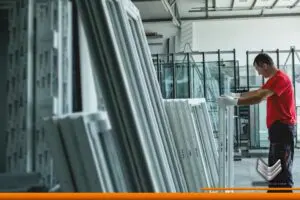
281,116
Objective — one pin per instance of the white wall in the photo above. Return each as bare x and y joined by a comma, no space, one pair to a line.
186,36
246,34
167,29
249,34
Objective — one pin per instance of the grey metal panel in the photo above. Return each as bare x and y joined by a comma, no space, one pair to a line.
68,132
57,147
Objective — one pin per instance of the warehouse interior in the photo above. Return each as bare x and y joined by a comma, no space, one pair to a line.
121,95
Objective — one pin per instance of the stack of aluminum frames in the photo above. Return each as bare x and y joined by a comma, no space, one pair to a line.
125,73
226,147
195,143
87,157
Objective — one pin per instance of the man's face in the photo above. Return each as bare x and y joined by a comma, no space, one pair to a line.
261,70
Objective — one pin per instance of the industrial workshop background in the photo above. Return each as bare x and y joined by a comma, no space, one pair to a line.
193,74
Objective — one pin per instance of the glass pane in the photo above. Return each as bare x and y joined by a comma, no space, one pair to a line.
212,91
182,83
167,80
197,80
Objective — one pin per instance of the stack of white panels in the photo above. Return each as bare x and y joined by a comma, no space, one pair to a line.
192,132
124,70
87,159
204,129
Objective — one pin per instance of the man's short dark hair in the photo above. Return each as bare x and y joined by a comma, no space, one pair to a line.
263,58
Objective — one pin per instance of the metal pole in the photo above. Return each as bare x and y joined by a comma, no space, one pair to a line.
247,71
189,75
248,86
219,68
277,56
293,71
235,90
174,76
30,165
204,75
234,70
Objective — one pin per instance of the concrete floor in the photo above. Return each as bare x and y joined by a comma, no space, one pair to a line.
246,174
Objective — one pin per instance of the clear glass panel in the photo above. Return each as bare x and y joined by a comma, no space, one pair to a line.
255,80
197,80
212,91
167,80
242,76
182,82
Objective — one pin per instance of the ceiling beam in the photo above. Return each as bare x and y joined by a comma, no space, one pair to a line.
274,4
295,4
253,4
222,17
172,2
173,12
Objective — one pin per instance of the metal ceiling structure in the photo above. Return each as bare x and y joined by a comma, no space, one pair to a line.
192,10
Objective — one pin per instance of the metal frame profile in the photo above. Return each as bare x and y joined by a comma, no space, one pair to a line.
226,146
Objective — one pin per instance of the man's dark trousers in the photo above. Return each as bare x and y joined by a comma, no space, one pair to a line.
282,147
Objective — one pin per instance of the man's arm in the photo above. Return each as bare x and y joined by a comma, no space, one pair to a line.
244,94
248,94
254,97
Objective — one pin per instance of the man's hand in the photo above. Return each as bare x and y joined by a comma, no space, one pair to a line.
227,101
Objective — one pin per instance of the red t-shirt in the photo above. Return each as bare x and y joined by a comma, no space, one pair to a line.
281,105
